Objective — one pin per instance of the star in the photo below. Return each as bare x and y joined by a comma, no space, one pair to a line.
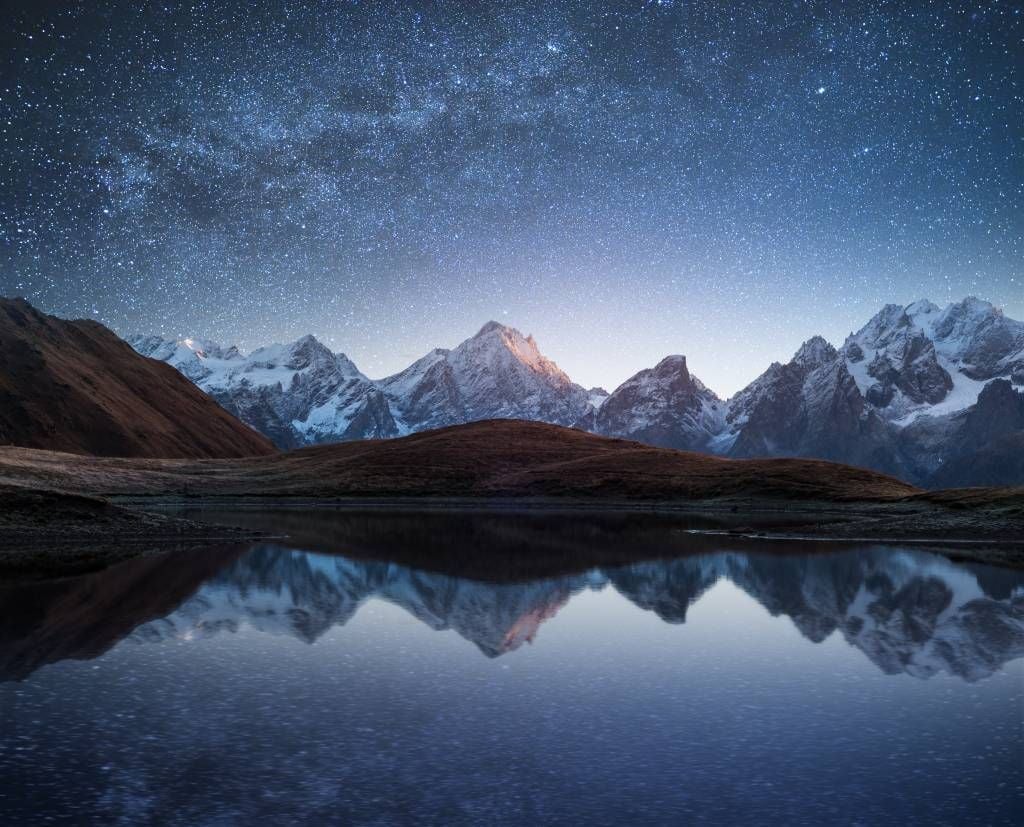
623,180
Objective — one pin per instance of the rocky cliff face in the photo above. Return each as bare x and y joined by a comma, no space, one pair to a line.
892,398
985,444
809,407
896,397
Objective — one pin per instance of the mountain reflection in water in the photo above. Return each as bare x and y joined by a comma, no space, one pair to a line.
907,611
728,682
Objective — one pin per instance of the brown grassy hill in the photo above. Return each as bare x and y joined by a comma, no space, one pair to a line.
75,386
490,459
509,458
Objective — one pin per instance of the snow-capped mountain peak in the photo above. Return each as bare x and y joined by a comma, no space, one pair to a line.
306,354
495,341
206,349
922,307
498,373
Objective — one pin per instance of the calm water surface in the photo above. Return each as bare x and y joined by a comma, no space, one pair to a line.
276,685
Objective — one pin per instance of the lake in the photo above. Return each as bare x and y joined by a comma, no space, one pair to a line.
731,682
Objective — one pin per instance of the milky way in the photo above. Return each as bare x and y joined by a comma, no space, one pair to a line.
624,180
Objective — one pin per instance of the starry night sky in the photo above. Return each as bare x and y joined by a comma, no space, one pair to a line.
624,180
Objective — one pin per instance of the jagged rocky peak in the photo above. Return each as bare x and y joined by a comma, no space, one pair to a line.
493,327
894,361
665,405
305,353
886,325
963,318
980,339
672,366
497,373
208,349
922,308
923,355
201,348
815,351
670,380
412,381
911,367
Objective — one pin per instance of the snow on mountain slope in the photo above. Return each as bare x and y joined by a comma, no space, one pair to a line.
197,359
297,394
498,373
847,405
893,398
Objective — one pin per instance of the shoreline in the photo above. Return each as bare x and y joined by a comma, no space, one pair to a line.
127,527
898,521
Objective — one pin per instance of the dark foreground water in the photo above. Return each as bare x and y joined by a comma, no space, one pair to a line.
277,686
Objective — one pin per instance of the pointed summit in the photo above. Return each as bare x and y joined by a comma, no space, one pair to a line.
665,405
496,374
671,367
883,326
491,327
815,351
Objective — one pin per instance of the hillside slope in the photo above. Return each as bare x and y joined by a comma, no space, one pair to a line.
74,386
489,459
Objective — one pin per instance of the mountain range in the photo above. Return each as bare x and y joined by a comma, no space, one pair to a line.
303,394
926,393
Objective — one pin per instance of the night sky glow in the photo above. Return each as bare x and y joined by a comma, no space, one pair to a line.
624,180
